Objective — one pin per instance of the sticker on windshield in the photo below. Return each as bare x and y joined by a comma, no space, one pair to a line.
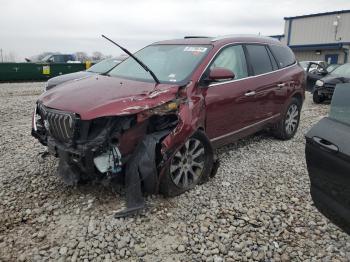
195,49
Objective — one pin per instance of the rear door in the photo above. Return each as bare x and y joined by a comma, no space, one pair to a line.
328,160
265,82
287,78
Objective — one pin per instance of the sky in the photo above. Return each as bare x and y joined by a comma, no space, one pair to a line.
30,27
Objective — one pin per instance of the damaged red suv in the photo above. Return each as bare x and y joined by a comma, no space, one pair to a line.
156,117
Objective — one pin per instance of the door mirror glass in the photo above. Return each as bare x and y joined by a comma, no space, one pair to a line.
220,73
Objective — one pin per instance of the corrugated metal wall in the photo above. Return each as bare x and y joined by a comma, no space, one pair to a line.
312,56
319,29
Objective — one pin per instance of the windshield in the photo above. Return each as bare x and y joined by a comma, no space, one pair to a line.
170,63
104,66
343,70
330,68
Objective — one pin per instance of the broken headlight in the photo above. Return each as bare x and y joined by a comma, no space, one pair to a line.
163,109
109,161
38,123
166,108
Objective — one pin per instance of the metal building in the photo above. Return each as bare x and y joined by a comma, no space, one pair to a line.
319,37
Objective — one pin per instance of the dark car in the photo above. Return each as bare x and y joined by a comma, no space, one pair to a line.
155,118
314,75
58,58
324,87
328,160
100,68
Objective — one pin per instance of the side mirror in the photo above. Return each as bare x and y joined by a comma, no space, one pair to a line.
219,73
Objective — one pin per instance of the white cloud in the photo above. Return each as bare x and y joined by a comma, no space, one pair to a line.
28,27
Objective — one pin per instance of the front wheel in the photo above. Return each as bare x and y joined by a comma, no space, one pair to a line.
289,123
317,98
191,165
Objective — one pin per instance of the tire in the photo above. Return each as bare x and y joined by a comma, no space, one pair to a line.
185,171
318,99
289,123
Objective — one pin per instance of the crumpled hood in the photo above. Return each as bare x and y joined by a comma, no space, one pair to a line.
99,96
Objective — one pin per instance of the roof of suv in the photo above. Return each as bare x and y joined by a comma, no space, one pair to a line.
221,40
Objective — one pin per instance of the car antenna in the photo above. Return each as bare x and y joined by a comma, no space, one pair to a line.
135,58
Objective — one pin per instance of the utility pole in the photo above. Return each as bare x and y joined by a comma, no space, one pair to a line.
2,58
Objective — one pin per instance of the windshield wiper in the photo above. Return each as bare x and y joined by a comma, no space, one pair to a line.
135,58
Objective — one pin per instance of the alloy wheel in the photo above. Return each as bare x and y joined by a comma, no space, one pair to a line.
292,118
187,164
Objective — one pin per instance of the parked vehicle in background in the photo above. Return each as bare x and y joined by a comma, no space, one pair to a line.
100,68
330,68
315,75
59,58
156,117
328,160
310,66
324,87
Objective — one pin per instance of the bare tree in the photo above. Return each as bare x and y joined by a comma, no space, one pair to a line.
97,56
82,56
8,57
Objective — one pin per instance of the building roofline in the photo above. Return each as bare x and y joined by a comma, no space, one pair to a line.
318,14
318,46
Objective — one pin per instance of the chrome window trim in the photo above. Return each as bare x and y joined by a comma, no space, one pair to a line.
244,128
244,78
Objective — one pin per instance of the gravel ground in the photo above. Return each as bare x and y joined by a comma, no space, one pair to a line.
258,206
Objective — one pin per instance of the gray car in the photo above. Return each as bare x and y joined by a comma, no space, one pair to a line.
100,68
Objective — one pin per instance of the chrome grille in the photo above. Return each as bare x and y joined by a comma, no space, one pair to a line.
60,124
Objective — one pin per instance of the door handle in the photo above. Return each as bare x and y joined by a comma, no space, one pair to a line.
250,93
281,85
326,144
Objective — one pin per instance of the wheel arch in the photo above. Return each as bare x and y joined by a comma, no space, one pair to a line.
298,96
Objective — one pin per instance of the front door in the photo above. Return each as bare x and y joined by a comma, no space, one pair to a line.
328,160
229,103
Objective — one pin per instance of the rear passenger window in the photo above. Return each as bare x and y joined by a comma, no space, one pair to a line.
284,55
259,59
232,58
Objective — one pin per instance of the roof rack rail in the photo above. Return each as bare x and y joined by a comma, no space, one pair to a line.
238,35
195,36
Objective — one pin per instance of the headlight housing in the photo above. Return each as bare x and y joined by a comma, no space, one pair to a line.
46,85
319,83
165,108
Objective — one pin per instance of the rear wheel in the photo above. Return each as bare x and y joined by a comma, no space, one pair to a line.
191,165
318,98
288,125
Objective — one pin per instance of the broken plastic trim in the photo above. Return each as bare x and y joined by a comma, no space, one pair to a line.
141,172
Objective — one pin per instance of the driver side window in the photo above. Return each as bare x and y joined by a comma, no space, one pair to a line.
232,58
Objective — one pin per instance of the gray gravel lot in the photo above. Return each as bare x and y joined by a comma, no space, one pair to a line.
258,206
